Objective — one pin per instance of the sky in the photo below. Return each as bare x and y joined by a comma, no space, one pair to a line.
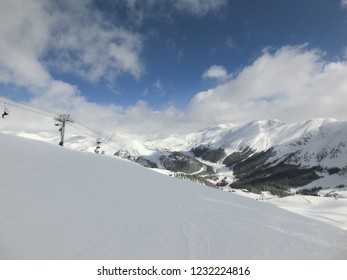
155,66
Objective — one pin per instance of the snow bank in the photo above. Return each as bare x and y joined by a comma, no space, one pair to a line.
56,203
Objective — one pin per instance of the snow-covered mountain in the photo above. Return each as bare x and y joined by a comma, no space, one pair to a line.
56,203
261,155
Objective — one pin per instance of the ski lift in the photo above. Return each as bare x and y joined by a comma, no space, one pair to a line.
6,111
98,147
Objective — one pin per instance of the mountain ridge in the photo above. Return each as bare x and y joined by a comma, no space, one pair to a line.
309,150
260,155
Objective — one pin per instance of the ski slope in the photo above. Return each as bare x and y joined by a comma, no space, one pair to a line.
326,209
57,203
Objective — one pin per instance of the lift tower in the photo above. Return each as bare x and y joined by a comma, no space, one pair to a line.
60,121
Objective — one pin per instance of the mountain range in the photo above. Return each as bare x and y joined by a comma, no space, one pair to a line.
258,156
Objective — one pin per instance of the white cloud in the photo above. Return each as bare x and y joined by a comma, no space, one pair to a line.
37,36
343,3
199,7
140,10
87,45
216,72
24,35
155,88
141,119
66,99
68,36
291,84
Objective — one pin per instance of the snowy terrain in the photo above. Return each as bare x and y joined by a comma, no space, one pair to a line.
325,209
317,143
56,203
330,210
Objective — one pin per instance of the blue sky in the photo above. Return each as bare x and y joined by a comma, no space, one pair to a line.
178,50
182,63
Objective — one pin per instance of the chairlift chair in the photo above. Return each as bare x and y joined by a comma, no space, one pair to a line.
5,113
98,147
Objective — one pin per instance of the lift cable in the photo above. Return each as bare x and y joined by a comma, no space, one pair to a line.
101,137
97,135
31,110
92,135
32,105
89,128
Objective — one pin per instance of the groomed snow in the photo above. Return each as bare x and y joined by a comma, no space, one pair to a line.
56,203
326,209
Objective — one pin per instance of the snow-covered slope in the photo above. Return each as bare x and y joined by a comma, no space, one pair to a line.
260,155
56,203
325,209
313,139
310,151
